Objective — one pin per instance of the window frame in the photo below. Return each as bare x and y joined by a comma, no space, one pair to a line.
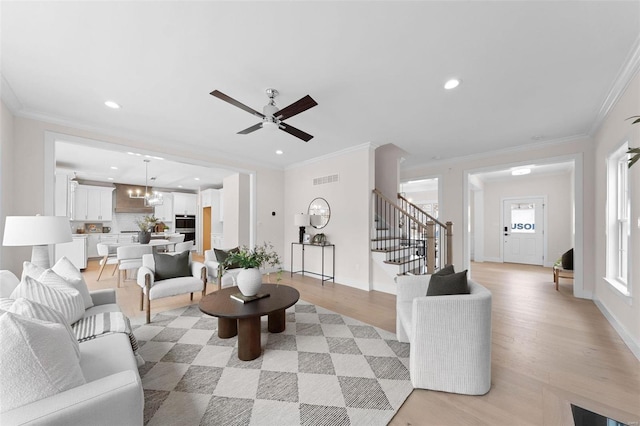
618,222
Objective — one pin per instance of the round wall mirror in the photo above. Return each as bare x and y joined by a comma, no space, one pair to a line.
319,213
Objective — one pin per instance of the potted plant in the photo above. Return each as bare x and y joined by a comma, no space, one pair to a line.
249,279
145,225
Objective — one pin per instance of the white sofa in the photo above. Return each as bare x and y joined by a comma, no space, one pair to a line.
113,394
450,336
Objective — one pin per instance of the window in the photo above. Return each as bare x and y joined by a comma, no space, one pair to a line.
618,219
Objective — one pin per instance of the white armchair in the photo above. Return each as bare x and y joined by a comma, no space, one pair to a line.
152,289
216,274
450,336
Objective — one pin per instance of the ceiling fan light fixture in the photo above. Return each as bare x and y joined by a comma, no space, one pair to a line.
269,125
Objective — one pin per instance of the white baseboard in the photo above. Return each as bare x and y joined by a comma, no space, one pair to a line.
624,335
493,259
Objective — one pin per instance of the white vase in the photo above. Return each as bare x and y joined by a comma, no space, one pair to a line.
249,281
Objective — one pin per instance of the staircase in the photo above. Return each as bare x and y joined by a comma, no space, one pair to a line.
406,239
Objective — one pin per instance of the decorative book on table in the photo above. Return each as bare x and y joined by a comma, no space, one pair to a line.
246,299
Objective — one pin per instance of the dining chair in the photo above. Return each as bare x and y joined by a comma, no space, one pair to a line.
180,247
108,258
174,239
130,257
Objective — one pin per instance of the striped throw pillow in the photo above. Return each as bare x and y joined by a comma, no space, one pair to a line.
53,292
74,278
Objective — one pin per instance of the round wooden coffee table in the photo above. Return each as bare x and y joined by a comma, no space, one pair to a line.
243,319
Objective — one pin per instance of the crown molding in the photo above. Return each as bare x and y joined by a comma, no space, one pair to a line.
490,154
366,145
627,72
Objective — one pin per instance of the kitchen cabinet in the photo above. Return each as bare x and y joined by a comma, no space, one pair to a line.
184,203
92,245
75,251
92,203
164,212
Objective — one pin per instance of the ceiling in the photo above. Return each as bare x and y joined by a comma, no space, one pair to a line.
531,72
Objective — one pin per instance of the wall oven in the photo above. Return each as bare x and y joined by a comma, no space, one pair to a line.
186,224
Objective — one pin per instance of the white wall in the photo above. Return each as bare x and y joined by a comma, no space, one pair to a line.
236,210
6,182
559,224
387,170
624,312
349,200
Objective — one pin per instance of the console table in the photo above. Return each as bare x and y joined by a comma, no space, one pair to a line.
324,277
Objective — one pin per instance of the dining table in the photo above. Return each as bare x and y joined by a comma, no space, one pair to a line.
113,247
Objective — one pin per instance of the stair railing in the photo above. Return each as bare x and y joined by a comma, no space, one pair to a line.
419,239
441,232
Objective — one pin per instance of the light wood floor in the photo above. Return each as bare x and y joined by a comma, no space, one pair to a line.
548,348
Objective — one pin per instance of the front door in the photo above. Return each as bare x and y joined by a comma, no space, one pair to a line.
523,230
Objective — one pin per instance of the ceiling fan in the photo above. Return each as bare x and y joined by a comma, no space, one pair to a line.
271,116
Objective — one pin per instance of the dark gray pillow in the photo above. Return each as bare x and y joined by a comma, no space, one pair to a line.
447,270
567,260
444,285
170,266
221,256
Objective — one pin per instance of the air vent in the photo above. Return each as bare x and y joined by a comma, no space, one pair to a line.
326,179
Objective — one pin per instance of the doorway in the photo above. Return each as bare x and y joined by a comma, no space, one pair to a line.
523,230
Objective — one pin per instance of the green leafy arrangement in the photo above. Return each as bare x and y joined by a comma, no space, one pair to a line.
147,223
635,152
260,256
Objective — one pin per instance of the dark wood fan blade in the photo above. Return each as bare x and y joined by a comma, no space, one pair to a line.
296,108
295,132
218,94
250,129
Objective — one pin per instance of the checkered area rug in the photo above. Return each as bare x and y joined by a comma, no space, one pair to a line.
324,369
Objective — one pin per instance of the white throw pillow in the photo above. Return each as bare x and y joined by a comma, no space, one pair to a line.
35,310
52,293
31,270
74,278
36,361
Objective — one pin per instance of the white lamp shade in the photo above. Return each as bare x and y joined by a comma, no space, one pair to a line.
36,230
301,219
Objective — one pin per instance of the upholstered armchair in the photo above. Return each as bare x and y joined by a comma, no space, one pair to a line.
450,336
216,273
171,277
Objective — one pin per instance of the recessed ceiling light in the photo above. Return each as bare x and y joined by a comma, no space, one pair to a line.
196,178
537,137
110,178
452,84
179,186
520,172
112,104
114,168
279,152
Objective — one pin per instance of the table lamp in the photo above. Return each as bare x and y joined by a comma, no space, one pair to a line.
301,220
39,232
